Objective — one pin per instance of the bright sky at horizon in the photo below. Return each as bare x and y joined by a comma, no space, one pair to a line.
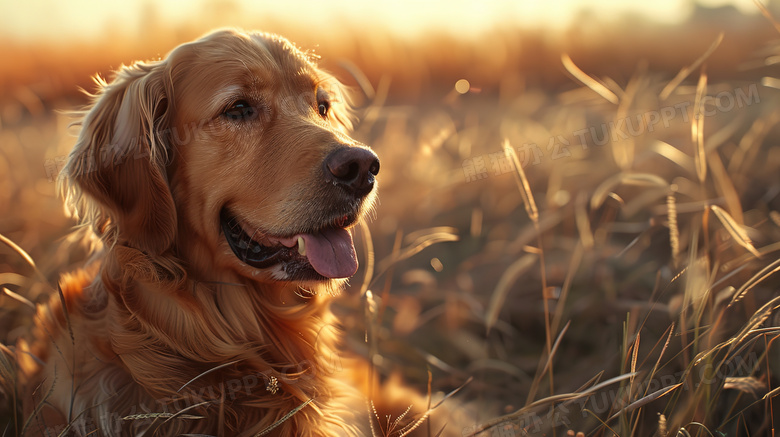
52,19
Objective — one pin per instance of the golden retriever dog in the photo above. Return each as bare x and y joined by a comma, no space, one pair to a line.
223,188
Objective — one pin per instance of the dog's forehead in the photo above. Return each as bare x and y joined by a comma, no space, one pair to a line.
227,60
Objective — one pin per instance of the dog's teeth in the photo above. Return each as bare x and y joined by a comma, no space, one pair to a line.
301,246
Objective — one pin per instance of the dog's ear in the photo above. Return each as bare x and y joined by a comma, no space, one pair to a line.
115,178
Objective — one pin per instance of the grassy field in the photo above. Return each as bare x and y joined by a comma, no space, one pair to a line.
584,225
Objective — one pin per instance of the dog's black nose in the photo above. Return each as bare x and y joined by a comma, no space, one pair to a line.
352,168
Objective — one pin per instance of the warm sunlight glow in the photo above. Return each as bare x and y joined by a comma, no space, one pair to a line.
462,86
48,19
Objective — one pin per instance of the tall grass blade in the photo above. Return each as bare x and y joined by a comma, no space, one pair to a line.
283,419
522,183
206,373
587,80
555,347
697,129
548,401
510,275
734,229
686,71
604,189
18,297
644,401
766,272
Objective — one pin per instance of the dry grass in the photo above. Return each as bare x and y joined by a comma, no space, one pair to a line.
622,283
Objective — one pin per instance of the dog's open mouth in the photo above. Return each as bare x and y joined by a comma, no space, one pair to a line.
329,251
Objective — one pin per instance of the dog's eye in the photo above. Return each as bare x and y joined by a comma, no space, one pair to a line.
240,110
323,107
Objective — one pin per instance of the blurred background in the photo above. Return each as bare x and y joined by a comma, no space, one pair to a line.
639,200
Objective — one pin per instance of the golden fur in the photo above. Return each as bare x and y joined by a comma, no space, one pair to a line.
165,331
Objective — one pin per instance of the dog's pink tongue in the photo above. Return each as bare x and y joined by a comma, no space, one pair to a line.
331,253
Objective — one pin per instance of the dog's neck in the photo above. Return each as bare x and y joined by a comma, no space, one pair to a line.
272,334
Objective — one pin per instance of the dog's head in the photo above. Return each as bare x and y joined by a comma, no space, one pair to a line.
230,153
